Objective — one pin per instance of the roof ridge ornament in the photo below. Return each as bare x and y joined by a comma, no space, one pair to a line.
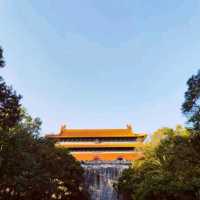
129,126
62,128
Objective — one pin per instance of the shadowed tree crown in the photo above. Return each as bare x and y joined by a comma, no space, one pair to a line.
191,105
30,166
10,107
2,63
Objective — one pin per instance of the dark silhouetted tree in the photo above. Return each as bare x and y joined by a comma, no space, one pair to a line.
2,63
10,108
31,167
191,106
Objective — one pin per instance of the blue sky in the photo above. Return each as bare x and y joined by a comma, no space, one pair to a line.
101,63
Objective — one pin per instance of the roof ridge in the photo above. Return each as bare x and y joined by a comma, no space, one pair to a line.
98,129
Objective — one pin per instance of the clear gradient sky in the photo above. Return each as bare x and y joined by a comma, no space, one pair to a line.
101,63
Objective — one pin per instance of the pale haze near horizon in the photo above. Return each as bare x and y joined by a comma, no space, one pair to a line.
101,64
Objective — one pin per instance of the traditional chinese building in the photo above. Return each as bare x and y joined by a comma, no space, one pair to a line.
100,144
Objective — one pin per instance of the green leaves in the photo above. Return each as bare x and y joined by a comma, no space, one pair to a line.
191,106
30,166
170,170
10,107
35,169
2,63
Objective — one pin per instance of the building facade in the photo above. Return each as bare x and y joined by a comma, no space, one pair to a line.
100,144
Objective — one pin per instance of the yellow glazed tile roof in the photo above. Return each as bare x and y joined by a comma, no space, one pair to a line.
99,133
94,133
88,156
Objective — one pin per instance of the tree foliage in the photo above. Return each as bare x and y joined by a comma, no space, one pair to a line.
170,170
2,63
30,166
10,108
191,106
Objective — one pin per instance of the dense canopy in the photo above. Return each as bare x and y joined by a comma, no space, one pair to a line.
170,169
30,166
